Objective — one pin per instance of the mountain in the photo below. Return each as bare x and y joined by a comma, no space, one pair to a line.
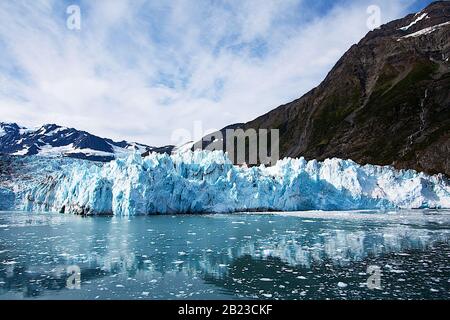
386,101
52,140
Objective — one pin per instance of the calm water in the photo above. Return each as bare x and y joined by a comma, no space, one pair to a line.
287,256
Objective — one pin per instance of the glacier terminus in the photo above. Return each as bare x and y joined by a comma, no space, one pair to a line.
207,182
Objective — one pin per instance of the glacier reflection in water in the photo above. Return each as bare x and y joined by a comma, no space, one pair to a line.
313,255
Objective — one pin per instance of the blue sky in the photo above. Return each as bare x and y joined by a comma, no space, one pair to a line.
159,71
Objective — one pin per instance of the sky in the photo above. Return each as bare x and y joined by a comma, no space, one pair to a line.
168,71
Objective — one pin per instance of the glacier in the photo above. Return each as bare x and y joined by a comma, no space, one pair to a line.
207,182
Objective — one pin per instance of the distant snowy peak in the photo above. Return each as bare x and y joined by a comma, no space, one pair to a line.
52,140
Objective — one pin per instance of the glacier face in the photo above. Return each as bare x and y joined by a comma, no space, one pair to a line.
7,199
205,182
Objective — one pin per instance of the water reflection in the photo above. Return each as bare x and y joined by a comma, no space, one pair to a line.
302,256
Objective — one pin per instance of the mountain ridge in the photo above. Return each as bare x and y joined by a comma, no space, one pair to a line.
54,140
385,102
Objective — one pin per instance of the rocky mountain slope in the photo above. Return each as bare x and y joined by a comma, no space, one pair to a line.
52,140
386,101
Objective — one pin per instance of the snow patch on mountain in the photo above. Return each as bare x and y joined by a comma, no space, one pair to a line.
184,147
419,18
426,31
22,152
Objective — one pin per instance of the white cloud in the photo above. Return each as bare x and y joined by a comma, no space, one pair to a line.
139,70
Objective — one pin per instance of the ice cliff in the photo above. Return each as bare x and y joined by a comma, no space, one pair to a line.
203,182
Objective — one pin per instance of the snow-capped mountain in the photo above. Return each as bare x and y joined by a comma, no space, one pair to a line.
52,140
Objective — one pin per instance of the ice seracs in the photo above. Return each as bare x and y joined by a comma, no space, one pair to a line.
7,198
207,182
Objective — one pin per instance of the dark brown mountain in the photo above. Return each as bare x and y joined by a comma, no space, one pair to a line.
386,101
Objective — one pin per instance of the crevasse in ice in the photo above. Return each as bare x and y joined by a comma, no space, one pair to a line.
207,182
